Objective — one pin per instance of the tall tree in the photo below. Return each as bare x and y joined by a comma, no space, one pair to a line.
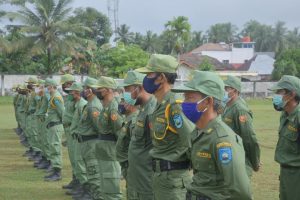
150,41
124,35
48,30
180,29
197,39
279,37
222,32
96,21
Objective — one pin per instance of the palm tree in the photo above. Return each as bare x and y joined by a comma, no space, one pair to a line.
223,32
279,37
48,31
124,35
149,42
180,28
293,38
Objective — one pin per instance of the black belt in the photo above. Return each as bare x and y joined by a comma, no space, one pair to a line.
165,165
289,167
124,164
84,138
51,124
108,137
190,196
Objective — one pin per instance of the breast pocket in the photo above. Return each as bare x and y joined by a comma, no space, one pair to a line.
290,142
159,130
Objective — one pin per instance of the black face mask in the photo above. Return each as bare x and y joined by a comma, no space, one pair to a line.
121,109
82,94
277,108
98,94
66,91
138,102
30,87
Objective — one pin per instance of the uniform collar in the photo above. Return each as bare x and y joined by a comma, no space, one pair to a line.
210,126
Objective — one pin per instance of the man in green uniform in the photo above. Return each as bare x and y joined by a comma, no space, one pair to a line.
21,115
31,130
217,154
41,109
239,118
79,166
55,129
139,176
15,89
66,81
87,136
170,130
110,123
287,153
130,109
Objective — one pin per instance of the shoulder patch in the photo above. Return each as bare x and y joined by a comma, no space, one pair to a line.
243,118
95,114
114,117
225,155
178,121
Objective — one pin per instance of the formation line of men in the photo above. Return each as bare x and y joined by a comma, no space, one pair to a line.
200,148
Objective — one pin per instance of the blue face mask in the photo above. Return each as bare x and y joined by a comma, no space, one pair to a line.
278,102
226,98
47,94
149,85
191,111
128,99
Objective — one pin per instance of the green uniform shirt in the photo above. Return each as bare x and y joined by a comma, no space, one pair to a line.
56,108
124,137
79,106
88,123
20,103
42,106
110,123
140,162
288,147
69,110
32,103
167,144
239,118
218,161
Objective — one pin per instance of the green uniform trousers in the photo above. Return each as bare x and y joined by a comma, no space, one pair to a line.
55,148
80,168
70,146
289,183
110,179
171,185
134,195
43,137
88,153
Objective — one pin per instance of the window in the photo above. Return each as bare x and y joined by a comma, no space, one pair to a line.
226,61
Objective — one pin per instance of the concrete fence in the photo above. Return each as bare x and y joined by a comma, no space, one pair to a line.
249,89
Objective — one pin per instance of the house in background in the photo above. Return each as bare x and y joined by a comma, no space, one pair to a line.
237,59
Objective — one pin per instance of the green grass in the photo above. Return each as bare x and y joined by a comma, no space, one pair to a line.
19,180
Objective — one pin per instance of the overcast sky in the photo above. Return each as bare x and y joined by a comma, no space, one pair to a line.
143,15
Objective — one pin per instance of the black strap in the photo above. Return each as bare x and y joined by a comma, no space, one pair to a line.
147,132
84,138
108,137
166,165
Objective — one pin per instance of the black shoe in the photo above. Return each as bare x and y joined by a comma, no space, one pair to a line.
44,164
84,196
71,185
55,176
49,169
76,191
32,156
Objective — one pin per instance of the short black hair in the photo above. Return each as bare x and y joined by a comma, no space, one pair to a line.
171,77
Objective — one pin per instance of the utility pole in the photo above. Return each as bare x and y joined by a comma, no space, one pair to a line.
113,14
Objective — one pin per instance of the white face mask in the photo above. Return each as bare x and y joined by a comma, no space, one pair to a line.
37,90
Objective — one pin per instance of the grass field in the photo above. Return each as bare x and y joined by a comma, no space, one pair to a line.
19,180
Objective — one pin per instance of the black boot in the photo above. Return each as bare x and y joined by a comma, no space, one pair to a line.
75,191
44,164
85,195
73,182
55,176
32,156
38,161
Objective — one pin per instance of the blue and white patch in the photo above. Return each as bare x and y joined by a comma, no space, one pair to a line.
225,155
178,121
57,102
